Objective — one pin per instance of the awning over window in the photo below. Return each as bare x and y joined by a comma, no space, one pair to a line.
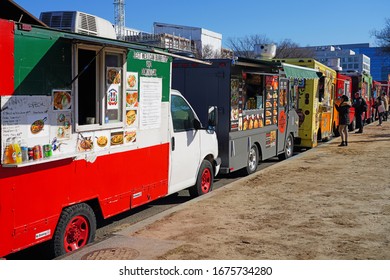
299,72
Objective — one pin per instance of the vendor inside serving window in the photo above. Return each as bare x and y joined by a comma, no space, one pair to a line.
253,93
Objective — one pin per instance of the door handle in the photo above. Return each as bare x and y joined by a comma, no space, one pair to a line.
173,143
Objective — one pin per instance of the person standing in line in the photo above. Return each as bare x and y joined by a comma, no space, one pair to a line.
386,104
360,106
380,106
343,109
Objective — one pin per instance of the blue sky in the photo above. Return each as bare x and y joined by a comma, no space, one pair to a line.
305,22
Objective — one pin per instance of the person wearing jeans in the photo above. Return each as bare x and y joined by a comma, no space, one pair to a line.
381,109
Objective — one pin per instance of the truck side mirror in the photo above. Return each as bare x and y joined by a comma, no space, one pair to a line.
212,117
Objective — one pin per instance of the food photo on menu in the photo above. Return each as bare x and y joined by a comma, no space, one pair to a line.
132,81
131,99
62,99
116,138
85,142
102,140
131,117
113,75
130,136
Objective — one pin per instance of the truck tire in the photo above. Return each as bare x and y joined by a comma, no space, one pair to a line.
288,149
253,160
76,228
204,181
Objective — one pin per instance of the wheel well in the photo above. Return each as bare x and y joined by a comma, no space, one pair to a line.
94,204
319,136
210,158
259,150
292,136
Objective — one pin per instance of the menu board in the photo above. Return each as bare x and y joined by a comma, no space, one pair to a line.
271,103
150,113
40,121
236,104
25,117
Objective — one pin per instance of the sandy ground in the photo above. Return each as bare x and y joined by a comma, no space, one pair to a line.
328,203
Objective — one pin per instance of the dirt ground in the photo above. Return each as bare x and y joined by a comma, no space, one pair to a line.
328,203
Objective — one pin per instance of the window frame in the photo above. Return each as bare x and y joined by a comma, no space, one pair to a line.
189,108
101,88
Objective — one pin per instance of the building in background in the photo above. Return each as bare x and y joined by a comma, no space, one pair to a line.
343,59
356,57
203,39
196,41
171,42
380,60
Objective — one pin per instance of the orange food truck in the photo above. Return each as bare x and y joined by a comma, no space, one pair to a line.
315,105
343,87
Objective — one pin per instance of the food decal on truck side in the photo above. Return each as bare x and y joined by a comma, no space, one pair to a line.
130,136
102,141
131,99
62,99
85,142
131,117
131,81
37,126
113,75
116,138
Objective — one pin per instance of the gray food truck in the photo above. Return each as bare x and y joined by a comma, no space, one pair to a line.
256,102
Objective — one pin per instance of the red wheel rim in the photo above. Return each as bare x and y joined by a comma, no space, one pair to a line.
76,234
206,180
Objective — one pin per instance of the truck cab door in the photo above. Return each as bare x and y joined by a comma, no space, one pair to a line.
283,111
185,145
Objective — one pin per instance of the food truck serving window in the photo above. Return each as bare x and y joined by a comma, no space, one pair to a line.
99,88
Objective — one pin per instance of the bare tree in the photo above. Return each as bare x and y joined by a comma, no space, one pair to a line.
208,52
383,36
288,49
244,46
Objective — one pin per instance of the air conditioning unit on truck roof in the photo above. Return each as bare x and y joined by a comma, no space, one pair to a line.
79,22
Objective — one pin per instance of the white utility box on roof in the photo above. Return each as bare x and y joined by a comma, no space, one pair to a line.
79,22
265,51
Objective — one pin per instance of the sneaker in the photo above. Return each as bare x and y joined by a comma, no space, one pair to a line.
342,144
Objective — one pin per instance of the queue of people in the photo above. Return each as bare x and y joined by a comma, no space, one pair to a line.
343,106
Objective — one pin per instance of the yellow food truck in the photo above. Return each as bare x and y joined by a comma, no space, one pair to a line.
315,105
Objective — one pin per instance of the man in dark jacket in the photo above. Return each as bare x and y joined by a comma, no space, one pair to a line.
360,106
343,109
